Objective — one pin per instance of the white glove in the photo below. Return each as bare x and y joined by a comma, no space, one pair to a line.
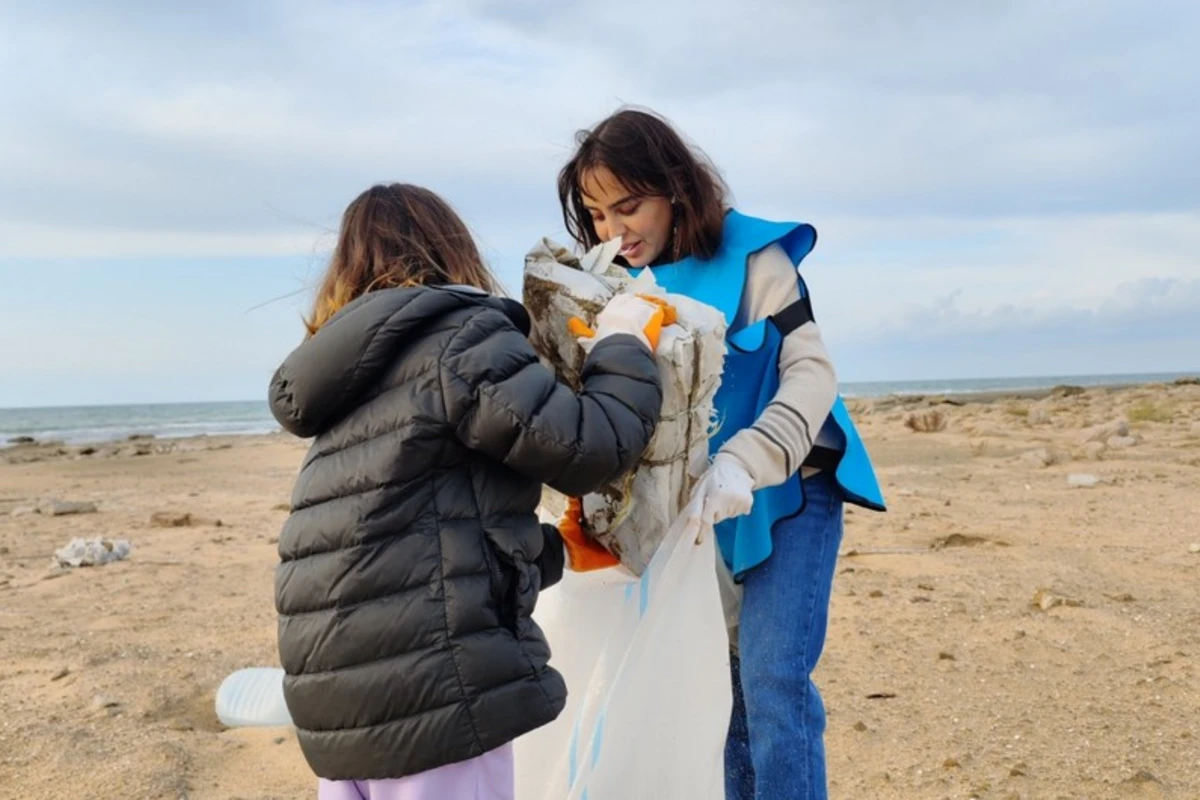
725,490
625,313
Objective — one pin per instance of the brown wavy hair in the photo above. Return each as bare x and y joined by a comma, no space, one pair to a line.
396,235
651,159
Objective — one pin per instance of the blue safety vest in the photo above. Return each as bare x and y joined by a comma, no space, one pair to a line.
751,378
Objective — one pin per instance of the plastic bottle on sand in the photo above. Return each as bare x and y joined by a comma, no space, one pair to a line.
253,697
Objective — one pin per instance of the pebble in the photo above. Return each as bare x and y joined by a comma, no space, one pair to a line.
1040,458
1143,776
1194,547
1101,433
1123,442
171,519
181,519
1046,600
1082,479
58,508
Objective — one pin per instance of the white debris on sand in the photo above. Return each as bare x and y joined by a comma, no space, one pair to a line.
92,552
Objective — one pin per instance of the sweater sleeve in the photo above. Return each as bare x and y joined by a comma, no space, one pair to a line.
774,447
502,402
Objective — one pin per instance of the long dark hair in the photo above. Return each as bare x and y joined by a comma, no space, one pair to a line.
397,235
649,157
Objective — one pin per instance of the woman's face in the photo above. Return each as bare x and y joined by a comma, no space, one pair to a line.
643,223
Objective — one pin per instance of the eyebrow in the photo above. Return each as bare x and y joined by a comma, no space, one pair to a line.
620,202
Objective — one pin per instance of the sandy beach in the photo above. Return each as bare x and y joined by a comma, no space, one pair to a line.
1023,623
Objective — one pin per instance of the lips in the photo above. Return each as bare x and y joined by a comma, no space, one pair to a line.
628,250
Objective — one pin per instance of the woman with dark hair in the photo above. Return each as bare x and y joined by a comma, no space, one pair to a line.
786,455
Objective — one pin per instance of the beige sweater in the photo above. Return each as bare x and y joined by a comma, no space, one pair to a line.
775,446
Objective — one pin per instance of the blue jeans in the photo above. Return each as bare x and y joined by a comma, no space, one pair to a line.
775,749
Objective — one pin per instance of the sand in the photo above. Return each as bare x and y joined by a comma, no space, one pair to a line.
999,634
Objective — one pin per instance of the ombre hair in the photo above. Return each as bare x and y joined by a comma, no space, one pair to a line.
395,235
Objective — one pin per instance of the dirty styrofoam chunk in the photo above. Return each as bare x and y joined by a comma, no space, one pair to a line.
631,515
92,552
1082,479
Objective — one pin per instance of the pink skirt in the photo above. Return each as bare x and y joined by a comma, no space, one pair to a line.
486,777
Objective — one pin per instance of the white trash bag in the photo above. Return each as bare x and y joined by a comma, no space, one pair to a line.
647,668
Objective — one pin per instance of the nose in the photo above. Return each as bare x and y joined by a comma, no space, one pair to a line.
614,227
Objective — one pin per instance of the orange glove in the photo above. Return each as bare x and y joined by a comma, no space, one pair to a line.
642,315
584,554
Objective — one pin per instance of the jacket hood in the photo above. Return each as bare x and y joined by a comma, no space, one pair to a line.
324,378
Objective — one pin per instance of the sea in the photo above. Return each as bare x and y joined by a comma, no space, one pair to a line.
92,424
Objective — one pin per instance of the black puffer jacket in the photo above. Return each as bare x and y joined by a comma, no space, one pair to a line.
413,557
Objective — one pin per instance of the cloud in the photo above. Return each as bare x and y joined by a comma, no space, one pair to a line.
236,119
1136,310
244,129
1026,160
868,275
1147,325
902,108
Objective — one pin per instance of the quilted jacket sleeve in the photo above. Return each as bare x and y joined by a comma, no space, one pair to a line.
501,401
553,559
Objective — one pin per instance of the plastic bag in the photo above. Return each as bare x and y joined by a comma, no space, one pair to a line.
647,666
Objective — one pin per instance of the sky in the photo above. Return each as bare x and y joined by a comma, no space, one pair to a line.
1000,189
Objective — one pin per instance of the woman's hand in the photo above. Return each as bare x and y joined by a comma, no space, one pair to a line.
726,490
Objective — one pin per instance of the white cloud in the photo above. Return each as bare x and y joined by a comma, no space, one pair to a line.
34,241
1146,325
1018,155
145,115
869,276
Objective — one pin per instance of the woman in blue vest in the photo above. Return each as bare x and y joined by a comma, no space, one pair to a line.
786,455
